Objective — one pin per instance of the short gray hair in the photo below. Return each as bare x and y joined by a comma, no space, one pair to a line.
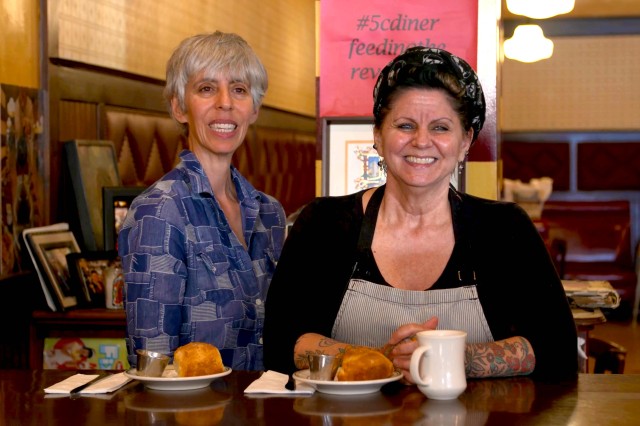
214,53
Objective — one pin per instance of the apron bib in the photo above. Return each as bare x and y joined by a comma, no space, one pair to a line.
371,312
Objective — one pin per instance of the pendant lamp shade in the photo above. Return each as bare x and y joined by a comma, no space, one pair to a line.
540,9
528,44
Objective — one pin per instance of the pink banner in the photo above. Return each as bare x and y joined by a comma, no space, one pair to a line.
359,37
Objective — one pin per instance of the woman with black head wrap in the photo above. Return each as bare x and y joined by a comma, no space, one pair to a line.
375,267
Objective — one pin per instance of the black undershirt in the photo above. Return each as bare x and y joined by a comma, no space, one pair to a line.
368,270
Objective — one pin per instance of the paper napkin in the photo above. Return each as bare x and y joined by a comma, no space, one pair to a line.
109,384
70,383
272,382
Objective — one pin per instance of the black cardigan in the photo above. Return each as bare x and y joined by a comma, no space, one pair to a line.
518,286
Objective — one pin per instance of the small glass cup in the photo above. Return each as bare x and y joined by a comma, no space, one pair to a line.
323,367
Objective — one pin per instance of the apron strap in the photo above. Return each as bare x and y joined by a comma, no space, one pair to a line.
368,226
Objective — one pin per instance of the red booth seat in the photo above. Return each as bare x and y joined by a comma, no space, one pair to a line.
597,237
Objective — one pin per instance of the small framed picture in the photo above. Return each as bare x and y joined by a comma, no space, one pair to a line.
50,251
352,163
92,165
89,271
116,201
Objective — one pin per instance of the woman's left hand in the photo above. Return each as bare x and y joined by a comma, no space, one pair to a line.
403,342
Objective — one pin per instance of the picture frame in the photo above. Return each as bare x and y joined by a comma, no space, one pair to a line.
27,247
88,271
350,161
50,251
92,165
115,203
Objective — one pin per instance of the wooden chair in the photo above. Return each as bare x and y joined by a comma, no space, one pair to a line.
558,251
609,356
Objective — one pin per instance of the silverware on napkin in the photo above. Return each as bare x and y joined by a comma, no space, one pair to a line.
75,392
291,384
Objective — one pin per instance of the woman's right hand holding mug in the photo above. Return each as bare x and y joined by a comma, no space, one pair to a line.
403,342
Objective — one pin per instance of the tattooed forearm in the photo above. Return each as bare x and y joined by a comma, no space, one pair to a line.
326,342
509,357
315,344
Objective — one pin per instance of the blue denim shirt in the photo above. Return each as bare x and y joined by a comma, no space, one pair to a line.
188,277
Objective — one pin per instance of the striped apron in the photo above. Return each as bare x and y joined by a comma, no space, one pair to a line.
371,312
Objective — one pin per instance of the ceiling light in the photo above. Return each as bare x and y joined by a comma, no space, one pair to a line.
528,44
540,9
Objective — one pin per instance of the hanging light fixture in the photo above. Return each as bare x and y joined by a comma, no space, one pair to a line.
528,44
540,9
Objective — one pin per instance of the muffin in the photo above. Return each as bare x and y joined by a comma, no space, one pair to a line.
361,363
197,359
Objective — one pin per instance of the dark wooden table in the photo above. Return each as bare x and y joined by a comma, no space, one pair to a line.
591,399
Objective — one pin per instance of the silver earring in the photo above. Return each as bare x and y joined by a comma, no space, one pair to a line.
461,163
383,165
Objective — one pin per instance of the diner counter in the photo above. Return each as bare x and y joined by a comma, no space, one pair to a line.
591,399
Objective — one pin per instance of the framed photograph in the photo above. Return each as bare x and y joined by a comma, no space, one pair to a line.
50,251
350,162
88,272
115,203
92,166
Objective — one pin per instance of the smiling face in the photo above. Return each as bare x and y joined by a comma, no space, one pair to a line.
218,112
422,138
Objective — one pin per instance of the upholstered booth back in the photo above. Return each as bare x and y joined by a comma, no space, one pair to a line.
147,144
598,246
595,231
279,162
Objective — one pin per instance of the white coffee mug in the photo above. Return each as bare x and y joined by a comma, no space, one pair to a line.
437,364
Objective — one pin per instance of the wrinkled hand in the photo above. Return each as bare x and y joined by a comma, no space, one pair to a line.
403,342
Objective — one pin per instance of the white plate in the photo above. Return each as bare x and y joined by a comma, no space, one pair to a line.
345,388
171,381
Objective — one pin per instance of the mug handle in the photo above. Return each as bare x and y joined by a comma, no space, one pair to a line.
414,368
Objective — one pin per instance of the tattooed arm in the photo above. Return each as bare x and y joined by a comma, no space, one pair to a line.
504,358
509,357
312,343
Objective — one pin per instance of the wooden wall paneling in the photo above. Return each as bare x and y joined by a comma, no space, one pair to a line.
577,89
76,120
19,43
87,83
138,37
